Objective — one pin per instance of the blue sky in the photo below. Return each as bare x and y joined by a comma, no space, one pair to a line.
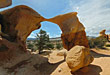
93,14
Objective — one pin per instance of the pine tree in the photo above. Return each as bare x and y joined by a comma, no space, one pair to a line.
42,40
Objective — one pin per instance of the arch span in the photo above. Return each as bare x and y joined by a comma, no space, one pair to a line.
73,32
21,20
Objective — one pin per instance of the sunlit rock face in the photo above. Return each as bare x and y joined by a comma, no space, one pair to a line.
17,23
5,3
20,21
73,32
78,57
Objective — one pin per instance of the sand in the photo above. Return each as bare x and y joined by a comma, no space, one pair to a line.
100,65
35,64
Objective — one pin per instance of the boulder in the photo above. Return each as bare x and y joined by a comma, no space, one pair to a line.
73,32
16,25
78,57
5,3
62,53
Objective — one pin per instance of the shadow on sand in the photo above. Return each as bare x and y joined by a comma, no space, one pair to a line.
89,70
98,55
47,68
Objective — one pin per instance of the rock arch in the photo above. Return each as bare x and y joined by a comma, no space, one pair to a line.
73,32
20,21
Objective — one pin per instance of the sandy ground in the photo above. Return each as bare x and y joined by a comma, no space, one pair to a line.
100,65
35,64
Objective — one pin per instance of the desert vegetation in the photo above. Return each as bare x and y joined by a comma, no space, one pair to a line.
98,42
43,42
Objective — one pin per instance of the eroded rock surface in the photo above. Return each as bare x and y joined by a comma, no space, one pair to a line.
102,33
73,32
16,25
5,3
78,57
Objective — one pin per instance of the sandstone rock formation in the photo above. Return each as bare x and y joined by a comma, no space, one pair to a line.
109,37
102,33
5,3
78,57
73,32
62,53
17,23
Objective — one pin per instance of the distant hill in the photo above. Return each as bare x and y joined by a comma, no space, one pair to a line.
31,38
58,38
91,37
51,39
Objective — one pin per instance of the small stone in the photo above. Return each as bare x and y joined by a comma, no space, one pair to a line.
59,70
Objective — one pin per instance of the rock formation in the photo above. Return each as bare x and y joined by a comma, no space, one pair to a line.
102,33
78,57
5,3
17,23
73,32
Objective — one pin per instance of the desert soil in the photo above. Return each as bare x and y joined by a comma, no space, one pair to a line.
100,65
35,64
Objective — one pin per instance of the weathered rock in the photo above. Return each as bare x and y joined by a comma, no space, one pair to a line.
23,64
102,33
73,32
17,23
62,53
78,57
20,21
108,37
7,49
5,3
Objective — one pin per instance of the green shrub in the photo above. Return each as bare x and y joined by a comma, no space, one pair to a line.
30,46
50,46
108,45
42,40
98,42
59,46
91,43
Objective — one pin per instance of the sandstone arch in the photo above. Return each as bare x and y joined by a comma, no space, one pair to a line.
73,32
18,22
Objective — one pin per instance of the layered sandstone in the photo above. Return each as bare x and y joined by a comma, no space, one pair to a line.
5,3
73,32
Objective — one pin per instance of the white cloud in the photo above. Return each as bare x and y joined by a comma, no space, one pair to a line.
94,14
32,35
55,35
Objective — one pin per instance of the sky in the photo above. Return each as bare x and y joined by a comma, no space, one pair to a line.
93,14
